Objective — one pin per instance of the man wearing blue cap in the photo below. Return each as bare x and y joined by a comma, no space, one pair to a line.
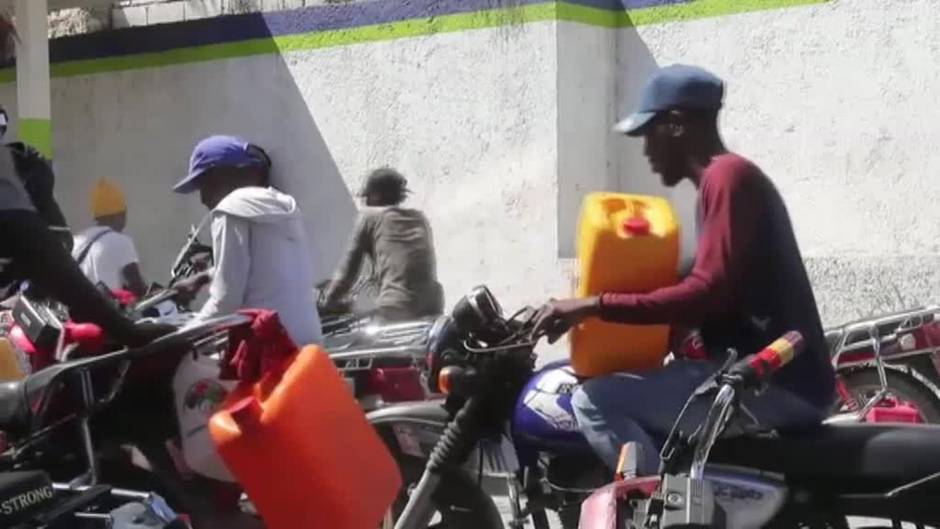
259,243
747,287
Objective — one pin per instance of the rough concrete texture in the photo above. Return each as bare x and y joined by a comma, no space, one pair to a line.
77,21
475,135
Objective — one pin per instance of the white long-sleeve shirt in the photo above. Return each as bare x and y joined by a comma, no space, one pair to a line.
262,260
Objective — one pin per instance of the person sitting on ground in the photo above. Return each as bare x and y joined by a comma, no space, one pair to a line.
399,244
104,252
260,247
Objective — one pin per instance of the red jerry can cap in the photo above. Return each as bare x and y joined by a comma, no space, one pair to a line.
637,226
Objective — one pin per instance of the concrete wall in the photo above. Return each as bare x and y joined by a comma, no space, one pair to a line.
476,138
503,126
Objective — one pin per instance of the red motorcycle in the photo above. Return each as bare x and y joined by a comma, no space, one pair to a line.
887,368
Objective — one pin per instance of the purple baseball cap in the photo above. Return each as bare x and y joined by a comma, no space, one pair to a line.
217,151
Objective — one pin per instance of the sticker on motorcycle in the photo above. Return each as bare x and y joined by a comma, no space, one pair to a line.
205,395
548,407
559,381
408,440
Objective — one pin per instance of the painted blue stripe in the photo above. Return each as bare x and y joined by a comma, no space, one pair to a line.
232,28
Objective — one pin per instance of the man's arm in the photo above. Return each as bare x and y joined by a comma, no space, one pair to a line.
124,253
352,262
230,242
731,211
134,280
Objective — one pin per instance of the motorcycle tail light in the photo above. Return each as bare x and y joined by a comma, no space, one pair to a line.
396,384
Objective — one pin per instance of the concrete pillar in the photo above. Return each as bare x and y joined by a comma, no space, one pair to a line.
32,75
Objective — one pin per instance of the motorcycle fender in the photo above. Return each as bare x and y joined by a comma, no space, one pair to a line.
414,428
898,368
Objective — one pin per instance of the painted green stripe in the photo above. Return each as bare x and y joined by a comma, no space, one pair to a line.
38,133
306,41
548,11
707,8
592,16
419,27
668,13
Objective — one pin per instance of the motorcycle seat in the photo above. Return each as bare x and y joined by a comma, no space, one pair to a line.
23,495
20,400
864,457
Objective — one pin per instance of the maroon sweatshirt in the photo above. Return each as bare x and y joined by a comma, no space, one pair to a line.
748,285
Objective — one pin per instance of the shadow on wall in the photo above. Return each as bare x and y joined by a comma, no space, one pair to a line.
592,96
138,127
635,64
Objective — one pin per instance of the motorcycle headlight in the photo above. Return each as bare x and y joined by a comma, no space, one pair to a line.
440,338
476,311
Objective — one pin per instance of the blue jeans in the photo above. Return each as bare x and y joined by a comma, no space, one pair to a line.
623,407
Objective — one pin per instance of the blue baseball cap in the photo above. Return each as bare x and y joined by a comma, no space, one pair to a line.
674,87
218,151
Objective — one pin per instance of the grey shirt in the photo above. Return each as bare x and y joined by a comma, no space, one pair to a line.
399,243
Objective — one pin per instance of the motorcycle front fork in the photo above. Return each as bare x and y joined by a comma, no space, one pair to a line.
418,512
527,482
453,448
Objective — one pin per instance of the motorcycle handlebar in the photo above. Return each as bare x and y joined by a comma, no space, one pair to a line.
201,328
758,367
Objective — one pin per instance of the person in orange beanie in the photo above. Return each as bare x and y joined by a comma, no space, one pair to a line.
104,252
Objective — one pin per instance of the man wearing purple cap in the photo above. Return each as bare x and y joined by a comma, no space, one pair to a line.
259,243
747,287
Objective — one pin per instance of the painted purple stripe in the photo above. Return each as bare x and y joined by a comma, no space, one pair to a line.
235,28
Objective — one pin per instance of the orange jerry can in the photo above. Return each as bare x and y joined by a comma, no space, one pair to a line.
626,243
301,447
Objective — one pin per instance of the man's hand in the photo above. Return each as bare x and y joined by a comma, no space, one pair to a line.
187,289
555,318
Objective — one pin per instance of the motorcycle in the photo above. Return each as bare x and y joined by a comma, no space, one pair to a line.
541,457
382,363
484,364
38,412
755,478
886,367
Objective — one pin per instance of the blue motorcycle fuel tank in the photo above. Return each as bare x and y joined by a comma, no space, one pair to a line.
543,419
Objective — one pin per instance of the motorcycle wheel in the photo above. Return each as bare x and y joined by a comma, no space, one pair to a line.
864,383
459,501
